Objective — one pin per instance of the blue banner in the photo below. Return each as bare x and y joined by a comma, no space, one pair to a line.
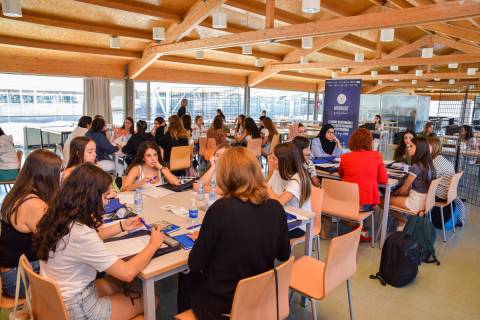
341,107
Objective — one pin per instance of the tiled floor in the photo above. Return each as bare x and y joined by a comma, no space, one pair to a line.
449,291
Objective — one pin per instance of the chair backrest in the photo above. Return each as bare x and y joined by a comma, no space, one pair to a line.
453,187
430,201
341,262
210,148
341,198
275,141
316,204
255,297
202,146
180,158
19,157
255,145
47,302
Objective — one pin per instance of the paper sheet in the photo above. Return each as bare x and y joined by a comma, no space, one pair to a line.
128,247
328,165
156,192
126,197
388,162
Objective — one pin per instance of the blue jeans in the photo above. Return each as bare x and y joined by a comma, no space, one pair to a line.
9,280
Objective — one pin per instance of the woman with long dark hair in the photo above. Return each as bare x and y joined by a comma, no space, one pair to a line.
69,244
175,136
413,193
187,123
240,124
216,131
21,210
148,169
82,149
303,145
250,131
326,144
159,126
401,154
468,141
126,130
131,148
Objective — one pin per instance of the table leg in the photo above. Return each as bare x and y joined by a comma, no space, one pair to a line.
41,139
308,248
386,205
149,299
115,163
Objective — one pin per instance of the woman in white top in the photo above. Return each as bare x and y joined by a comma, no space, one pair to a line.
147,170
82,149
290,183
9,164
69,243
468,141
84,123
267,133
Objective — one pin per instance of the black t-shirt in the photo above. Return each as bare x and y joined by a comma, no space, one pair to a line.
237,240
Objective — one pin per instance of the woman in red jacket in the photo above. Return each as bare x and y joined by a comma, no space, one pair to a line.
364,167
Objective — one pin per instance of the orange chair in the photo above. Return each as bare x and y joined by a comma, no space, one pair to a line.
255,145
451,195
316,203
255,297
181,158
202,146
342,200
210,148
315,279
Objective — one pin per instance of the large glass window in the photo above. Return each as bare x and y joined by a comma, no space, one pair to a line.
117,101
281,104
38,101
141,101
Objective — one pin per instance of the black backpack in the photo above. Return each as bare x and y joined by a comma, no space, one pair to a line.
400,260
423,232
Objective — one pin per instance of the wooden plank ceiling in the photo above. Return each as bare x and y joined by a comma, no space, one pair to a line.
72,38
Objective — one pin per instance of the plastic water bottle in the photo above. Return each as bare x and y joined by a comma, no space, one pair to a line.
138,201
193,212
212,196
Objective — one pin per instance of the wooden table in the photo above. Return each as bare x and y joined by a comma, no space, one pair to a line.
386,204
177,261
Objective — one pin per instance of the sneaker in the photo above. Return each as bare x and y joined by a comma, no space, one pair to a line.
365,236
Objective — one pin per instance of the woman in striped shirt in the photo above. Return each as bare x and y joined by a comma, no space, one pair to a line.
443,168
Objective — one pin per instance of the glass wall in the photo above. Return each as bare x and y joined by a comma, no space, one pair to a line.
141,105
34,101
117,101
281,104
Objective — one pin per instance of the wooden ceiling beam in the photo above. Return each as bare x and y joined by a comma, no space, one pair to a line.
411,76
455,31
405,18
454,44
255,53
373,63
196,14
136,7
269,14
46,20
209,63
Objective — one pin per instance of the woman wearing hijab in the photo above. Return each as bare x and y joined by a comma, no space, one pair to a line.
326,144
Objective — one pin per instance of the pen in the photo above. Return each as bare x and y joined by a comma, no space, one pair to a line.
194,226
145,224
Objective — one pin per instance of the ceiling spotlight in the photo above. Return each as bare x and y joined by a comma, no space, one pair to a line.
334,74
380,82
307,42
359,57
246,49
303,59
158,33
436,79
114,42
374,73
12,8
387,35
396,80
394,68
419,73
414,81
311,6
258,63
219,20
300,71
427,53
200,54
453,65
344,69
471,71
451,81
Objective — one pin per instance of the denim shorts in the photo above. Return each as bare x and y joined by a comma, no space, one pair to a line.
88,306
9,280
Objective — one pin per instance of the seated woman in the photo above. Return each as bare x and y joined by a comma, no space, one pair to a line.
198,128
401,154
131,148
326,144
69,244
290,183
187,123
216,131
413,193
236,223
147,170
158,129
303,146
428,130
468,141
175,136
209,175
105,149
250,132
443,168
267,134
21,210
82,149
125,131
240,125
365,168
9,164
84,123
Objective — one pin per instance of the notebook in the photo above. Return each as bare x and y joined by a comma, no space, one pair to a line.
185,241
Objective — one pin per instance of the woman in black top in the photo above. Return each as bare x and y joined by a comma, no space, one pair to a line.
174,137
241,236
131,148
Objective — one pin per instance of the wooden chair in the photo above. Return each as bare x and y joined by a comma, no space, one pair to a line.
180,158
275,141
342,200
316,204
255,297
202,146
451,195
7,185
210,149
255,145
315,279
